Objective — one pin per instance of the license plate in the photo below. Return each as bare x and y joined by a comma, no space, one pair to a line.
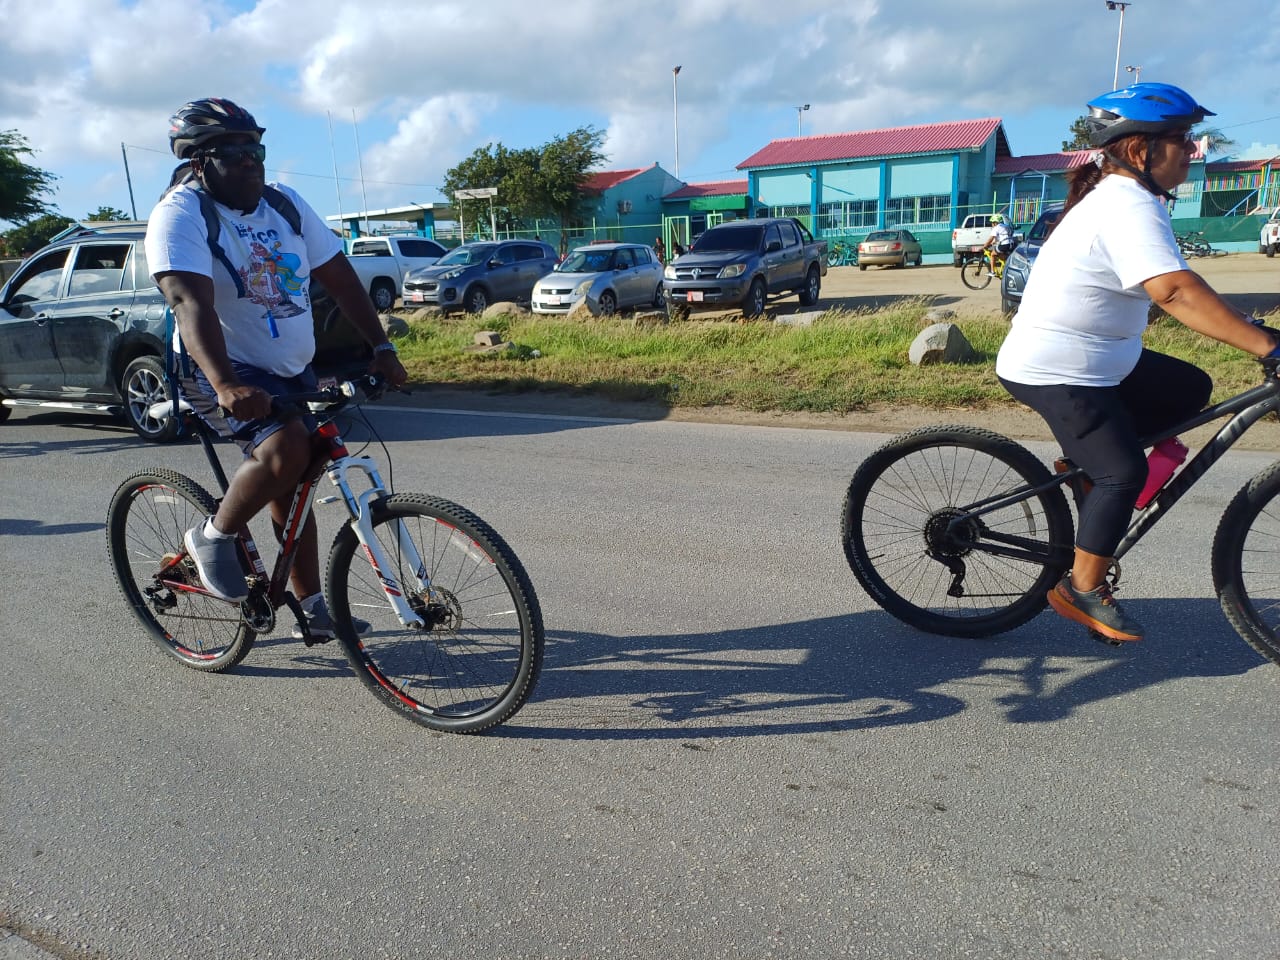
552,301
694,296
413,296
326,383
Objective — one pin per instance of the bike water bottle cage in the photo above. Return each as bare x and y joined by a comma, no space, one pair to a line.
1150,109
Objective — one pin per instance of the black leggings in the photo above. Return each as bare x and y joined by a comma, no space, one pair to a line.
1100,428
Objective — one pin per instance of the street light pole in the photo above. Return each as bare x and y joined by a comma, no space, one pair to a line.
675,113
800,119
1136,71
1118,5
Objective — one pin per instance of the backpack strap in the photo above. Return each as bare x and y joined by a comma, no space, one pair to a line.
278,202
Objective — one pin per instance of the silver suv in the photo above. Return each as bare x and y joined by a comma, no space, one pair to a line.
474,275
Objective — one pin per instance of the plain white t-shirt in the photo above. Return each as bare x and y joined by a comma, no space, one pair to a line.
1084,311
269,324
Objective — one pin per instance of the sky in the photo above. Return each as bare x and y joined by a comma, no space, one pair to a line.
369,102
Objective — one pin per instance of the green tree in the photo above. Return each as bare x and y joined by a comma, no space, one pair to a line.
34,234
107,213
547,181
22,186
1079,136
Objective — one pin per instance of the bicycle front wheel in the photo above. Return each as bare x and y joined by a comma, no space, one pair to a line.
149,513
975,275
1246,563
477,658
915,549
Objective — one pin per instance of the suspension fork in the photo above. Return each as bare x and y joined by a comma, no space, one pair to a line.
359,506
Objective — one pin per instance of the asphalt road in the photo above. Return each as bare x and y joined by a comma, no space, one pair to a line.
731,753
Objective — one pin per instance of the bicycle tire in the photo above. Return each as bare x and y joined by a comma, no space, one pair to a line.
1200,248
975,275
1246,575
896,512
149,513
478,665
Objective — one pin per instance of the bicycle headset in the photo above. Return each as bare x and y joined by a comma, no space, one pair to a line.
1150,109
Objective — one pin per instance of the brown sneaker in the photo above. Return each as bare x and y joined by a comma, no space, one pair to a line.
1096,609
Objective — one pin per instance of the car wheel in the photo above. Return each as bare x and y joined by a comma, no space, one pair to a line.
862,266
1008,306
142,385
383,294
1271,249
812,287
753,306
476,299
608,304
4,412
660,297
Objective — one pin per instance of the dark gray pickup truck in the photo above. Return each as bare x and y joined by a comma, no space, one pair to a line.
743,264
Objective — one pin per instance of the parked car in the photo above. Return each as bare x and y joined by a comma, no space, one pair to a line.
1017,267
743,264
889,248
609,276
1269,239
474,275
382,263
82,327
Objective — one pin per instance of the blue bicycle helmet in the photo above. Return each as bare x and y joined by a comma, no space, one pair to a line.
1145,108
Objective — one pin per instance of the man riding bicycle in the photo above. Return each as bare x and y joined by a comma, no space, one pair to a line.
1000,243
243,312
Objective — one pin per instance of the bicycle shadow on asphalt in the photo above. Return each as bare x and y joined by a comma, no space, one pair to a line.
858,672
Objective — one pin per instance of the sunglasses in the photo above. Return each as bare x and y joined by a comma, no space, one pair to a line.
237,153
1181,137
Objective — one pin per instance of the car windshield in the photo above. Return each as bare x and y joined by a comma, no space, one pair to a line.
730,238
883,235
461,256
586,261
1041,229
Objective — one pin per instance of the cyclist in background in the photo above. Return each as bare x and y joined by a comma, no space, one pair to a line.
1074,351
1000,243
251,340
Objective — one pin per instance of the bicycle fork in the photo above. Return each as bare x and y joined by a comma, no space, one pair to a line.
384,566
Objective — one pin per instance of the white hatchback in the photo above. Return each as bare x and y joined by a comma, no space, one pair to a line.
608,276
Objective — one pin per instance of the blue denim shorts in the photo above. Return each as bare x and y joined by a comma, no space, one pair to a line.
248,433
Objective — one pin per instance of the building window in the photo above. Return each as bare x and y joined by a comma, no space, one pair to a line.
918,211
848,216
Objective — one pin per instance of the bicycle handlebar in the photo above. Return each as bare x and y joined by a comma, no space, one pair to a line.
371,385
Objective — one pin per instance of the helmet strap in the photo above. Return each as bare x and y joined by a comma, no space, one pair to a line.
1143,175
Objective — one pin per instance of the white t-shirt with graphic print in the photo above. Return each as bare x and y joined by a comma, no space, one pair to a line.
270,324
1084,311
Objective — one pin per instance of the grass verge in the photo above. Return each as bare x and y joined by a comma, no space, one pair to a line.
841,363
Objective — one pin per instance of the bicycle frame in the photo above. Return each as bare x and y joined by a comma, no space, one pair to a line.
1244,409
339,465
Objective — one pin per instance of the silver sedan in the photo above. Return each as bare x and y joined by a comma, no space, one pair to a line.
608,276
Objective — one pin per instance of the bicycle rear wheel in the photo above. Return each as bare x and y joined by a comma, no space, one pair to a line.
148,515
975,275
955,578
1246,563
478,658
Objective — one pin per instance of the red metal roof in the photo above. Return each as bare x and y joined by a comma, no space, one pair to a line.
890,142
603,180
1044,162
715,188
1235,166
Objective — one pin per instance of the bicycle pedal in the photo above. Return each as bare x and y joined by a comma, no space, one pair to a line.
1102,638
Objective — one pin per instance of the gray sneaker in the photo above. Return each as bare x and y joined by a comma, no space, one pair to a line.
321,624
218,564
1096,609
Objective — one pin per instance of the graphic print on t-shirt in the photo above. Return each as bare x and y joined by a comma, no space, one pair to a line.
270,278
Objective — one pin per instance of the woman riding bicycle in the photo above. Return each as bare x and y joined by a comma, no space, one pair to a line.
1074,351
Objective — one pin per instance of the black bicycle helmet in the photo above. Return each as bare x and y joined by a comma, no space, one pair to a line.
196,123
1146,108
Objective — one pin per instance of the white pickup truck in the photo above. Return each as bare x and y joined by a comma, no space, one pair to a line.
968,239
382,263
1269,241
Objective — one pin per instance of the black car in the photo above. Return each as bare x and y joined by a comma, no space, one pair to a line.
82,327
1017,268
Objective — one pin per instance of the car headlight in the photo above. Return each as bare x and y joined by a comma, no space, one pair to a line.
451,275
732,270
581,289
1017,262
669,272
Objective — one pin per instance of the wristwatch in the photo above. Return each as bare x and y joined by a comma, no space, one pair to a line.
387,347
